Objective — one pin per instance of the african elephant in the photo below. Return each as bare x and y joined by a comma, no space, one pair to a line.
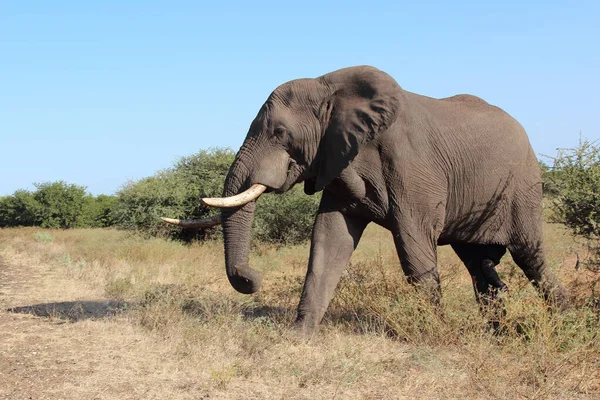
454,171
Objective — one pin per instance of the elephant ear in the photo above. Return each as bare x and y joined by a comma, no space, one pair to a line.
365,105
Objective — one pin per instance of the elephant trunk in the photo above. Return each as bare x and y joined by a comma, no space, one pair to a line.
237,233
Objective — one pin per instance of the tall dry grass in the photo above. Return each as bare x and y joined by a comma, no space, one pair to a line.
379,339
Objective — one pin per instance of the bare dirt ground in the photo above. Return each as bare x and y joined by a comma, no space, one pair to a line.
45,356
38,357
31,363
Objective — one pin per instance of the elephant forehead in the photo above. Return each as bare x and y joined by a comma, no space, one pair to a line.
293,117
298,94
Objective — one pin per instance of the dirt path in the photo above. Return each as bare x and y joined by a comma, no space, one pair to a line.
38,356
75,349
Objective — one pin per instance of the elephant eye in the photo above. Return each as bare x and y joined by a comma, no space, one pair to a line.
279,132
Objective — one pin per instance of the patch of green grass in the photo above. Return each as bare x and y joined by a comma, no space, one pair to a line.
43,237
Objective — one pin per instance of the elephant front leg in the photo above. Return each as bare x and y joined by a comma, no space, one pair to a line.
335,236
417,251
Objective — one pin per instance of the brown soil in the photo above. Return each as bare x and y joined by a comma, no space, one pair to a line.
74,349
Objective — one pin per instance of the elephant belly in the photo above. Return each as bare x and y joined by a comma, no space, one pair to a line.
490,225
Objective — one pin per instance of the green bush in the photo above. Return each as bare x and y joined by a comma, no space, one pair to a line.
97,211
575,180
60,204
206,170
550,177
286,218
174,193
56,205
20,209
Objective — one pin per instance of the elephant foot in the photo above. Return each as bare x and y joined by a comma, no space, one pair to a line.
493,309
491,276
557,296
488,288
302,329
488,284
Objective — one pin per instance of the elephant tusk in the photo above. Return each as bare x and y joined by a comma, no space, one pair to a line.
194,223
240,199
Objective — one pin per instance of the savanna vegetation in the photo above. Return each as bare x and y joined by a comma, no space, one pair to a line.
56,205
572,187
172,192
165,322
156,318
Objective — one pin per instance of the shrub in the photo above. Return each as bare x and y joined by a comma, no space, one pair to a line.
97,211
20,209
175,193
56,205
575,178
60,204
550,177
286,218
205,171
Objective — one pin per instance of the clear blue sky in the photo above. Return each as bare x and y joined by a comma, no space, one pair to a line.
99,92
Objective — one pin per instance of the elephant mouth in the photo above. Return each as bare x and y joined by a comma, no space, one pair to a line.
294,172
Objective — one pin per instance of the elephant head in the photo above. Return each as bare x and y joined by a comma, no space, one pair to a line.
308,130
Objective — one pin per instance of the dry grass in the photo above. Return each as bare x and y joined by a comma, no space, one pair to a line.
182,332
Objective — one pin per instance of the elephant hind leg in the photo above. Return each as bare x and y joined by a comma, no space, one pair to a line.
527,250
530,258
481,261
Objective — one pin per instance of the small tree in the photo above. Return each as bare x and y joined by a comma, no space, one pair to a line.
20,209
60,204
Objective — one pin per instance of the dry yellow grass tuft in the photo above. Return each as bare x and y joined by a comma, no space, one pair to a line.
148,318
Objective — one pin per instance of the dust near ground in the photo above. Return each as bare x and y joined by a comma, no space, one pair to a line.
43,357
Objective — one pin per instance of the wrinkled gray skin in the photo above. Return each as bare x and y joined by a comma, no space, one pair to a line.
454,171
